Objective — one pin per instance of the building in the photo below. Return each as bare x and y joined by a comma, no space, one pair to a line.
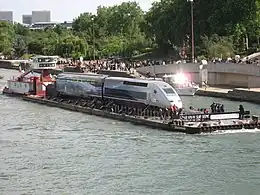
66,24
43,25
27,19
41,16
6,16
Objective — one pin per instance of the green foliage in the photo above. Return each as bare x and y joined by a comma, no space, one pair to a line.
220,27
169,22
217,47
6,38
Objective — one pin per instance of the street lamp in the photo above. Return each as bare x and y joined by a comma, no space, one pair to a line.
94,42
192,33
130,37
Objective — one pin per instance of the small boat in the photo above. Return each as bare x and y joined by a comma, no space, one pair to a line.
181,84
1,77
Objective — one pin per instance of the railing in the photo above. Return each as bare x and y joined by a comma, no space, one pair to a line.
211,116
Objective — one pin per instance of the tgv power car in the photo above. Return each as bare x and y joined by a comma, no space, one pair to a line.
147,92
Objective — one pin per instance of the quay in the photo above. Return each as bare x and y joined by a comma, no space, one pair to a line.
236,94
189,124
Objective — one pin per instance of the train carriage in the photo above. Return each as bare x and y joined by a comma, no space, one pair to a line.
126,91
148,92
80,85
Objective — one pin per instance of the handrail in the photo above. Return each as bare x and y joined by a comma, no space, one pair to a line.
211,116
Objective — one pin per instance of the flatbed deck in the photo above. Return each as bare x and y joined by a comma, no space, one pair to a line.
170,125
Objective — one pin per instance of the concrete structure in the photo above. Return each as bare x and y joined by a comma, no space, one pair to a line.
42,25
6,16
41,16
66,24
27,19
238,94
225,74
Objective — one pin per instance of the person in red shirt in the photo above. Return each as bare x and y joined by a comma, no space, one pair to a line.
173,111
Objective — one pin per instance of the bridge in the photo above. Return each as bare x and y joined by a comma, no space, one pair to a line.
228,74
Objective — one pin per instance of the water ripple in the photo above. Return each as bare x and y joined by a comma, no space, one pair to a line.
51,151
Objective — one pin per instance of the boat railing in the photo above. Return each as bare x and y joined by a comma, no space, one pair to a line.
201,117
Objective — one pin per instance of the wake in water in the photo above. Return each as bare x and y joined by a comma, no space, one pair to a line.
235,131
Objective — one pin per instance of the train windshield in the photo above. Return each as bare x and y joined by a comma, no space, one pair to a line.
169,91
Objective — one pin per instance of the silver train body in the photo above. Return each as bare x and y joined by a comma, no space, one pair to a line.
148,92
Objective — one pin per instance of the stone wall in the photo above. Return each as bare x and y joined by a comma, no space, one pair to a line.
230,74
235,94
9,64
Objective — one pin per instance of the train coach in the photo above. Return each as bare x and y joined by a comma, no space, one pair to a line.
127,91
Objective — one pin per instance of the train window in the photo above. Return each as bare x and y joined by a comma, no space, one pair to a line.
126,94
138,95
135,83
168,90
94,82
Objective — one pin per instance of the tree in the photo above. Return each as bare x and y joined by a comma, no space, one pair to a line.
169,21
7,36
220,26
19,46
217,47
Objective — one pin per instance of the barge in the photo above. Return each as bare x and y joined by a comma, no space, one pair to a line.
187,123
40,89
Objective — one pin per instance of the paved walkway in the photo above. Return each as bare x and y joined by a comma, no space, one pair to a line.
215,89
226,90
249,89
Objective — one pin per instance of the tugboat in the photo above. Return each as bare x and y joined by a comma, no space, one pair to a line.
33,81
181,84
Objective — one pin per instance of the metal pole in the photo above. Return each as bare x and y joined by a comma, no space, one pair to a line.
192,33
94,56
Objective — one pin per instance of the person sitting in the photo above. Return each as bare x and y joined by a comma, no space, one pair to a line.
205,111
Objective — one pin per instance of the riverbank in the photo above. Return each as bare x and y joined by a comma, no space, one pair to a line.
9,64
237,94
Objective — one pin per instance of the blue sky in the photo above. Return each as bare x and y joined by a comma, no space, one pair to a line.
61,10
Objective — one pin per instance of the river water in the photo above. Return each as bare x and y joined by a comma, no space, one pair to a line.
47,150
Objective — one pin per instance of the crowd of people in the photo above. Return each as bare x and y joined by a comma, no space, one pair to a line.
130,64
111,64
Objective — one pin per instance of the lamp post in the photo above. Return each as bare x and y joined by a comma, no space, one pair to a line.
192,33
94,42
130,35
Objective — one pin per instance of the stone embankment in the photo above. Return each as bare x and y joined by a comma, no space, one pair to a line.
9,64
238,94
